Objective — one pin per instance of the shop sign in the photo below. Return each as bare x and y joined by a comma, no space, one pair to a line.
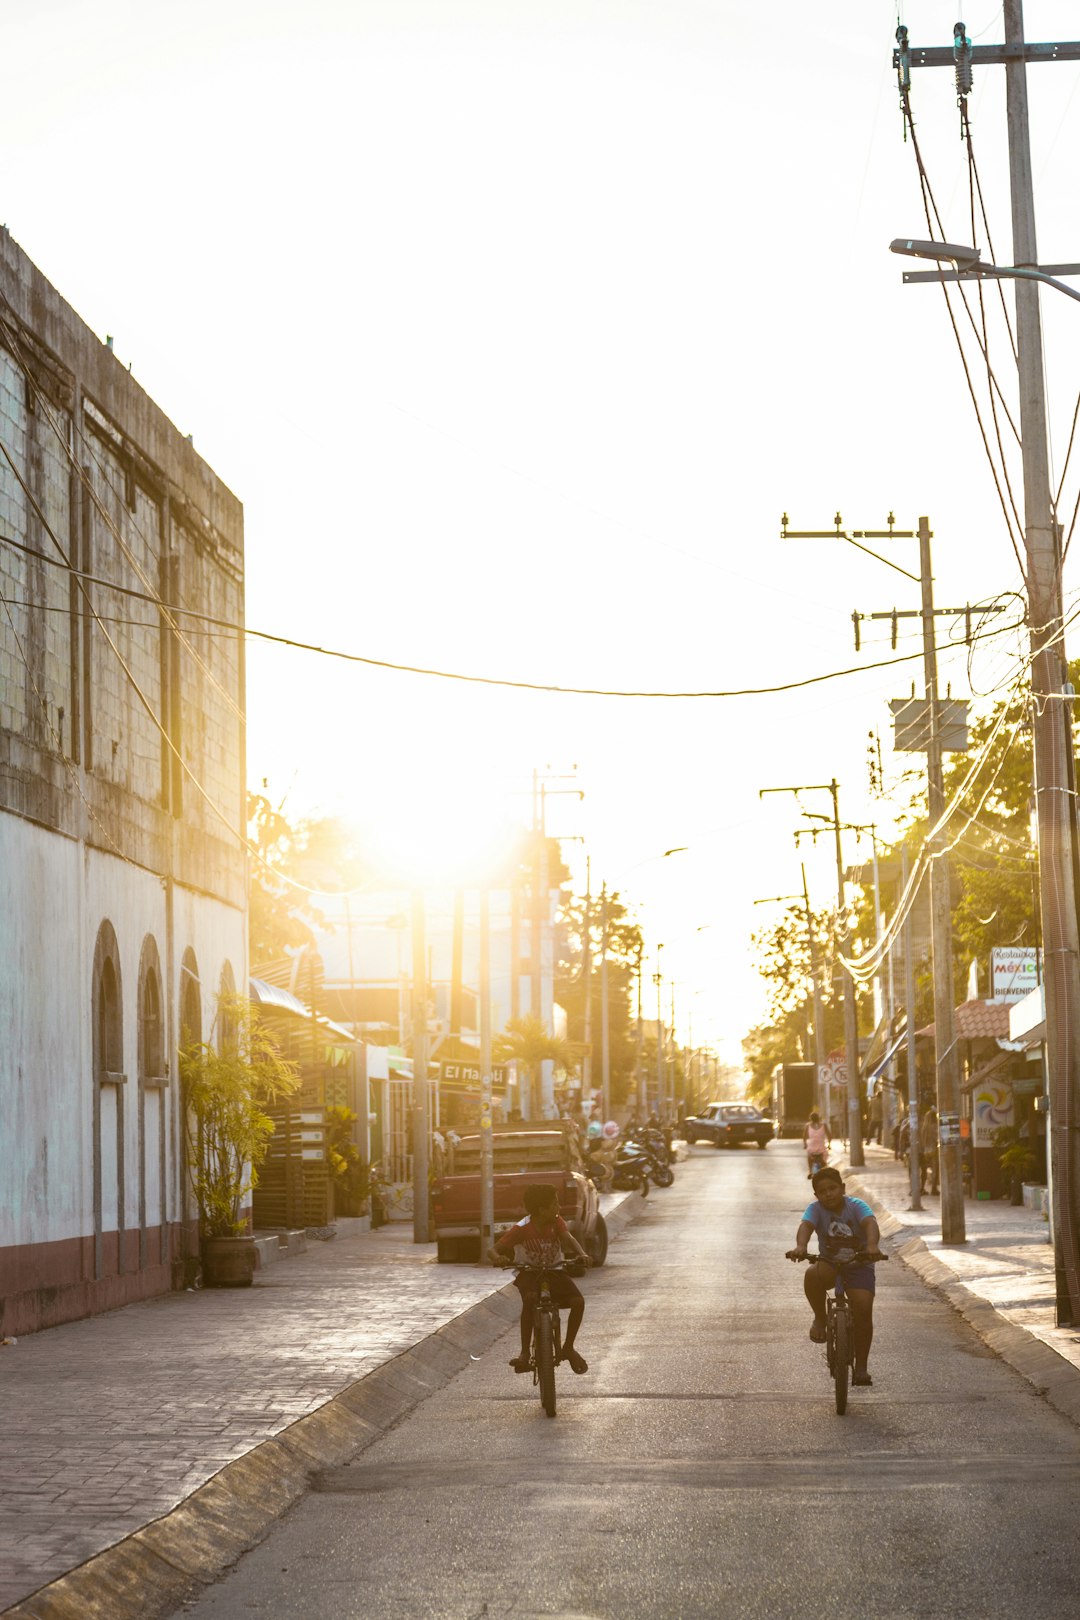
1014,971
992,1108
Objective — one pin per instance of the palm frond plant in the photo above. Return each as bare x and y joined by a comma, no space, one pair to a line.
227,1087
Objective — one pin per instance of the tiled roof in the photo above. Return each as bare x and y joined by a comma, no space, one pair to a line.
978,1021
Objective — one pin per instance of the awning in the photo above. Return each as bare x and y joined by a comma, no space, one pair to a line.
273,998
885,1061
985,1071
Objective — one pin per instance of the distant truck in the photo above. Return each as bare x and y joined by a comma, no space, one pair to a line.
546,1154
794,1097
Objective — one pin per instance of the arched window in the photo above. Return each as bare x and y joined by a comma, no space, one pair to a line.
107,1016
153,1131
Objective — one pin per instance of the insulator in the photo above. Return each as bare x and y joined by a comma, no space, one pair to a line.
962,58
903,60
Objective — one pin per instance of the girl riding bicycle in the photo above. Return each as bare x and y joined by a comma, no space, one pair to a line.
817,1143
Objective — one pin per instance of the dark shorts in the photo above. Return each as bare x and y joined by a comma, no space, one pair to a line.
856,1276
564,1291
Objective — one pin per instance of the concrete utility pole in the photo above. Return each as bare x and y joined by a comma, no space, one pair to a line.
658,980
586,972
421,1083
487,1156
914,1147
953,1224
819,1018
851,1024
605,1029
1051,721
640,1065
1051,725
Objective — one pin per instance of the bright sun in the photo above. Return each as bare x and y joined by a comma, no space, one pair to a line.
439,838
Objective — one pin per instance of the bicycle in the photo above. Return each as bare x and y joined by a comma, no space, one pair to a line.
840,1325
547,1331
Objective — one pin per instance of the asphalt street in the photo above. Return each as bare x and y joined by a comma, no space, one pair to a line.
699,1468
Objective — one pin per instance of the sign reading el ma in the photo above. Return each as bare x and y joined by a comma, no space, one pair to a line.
466,1076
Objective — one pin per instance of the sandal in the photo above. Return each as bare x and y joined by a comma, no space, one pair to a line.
862,1379
817,1331
520,1364
577,1362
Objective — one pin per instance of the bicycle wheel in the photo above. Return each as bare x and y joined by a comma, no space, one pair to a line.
830,1336
842,1358
544,1341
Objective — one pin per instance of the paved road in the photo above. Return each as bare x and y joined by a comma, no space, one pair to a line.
699,1469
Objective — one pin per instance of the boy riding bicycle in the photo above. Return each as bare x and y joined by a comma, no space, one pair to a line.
846,1229
541,1239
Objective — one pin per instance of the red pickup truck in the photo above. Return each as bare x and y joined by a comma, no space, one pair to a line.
544,1154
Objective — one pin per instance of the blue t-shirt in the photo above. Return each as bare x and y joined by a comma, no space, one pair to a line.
839,1232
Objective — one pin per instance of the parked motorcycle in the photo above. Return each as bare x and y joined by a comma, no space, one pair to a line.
660,1170
633,1169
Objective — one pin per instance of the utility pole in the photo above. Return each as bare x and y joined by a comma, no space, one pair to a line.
948,1084
640,1065
1051,718
605,1043
421,1083
658,980
851,1025
914,1146
819,1021
586,969
953,1227
487,1156
1051,725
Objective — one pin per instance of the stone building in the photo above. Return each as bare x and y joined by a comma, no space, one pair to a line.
122,797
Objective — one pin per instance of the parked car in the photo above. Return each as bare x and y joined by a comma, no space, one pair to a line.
728,1124
546,1154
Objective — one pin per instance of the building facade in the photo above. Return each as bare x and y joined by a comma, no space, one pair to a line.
122,809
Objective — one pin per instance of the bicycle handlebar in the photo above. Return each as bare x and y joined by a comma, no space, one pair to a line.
865,1257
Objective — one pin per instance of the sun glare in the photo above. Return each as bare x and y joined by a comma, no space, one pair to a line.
439,838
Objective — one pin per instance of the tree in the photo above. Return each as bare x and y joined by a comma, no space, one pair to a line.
578,976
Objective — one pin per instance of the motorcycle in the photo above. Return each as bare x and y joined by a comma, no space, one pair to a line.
659,1166
633,1169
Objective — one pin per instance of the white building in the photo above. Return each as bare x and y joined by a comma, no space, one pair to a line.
122,796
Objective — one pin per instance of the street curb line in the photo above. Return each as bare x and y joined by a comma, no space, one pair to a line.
1050,1375
149,1574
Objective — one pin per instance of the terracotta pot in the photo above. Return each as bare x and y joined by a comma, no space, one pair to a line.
228,1262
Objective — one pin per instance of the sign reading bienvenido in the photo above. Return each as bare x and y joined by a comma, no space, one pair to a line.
1014,971
466,1077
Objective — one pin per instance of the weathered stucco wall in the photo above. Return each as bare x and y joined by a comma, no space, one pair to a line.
122,807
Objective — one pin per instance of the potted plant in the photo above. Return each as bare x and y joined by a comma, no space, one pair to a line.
347,1166
1018,1162
227,1087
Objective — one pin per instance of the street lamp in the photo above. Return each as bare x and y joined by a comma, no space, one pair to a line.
970,267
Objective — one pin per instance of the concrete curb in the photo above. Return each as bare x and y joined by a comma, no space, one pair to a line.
1051,1376
149,1574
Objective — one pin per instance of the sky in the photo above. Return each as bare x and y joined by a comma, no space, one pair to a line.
516,325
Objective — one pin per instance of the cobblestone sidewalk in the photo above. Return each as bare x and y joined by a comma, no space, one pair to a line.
108,1423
